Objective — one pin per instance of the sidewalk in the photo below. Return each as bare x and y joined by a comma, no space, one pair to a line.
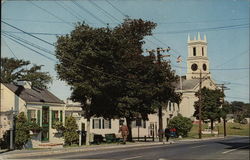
36,152
22,153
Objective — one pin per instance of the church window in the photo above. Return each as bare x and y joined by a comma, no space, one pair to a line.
194,51
202,51
204,67
194,67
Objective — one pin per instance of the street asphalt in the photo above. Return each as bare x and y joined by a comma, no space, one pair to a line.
230,148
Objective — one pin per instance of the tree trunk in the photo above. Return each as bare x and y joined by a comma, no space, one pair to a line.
212,126
128,121
225,128
160,124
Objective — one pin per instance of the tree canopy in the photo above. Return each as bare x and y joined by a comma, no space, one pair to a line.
13,70
107,67
211,101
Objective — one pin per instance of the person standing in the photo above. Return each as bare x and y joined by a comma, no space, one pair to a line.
124,132
167,134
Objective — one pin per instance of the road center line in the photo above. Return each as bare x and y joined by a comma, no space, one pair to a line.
131,158
234,149
198,146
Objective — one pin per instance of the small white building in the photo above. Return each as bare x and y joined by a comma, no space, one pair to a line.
39,105
101,126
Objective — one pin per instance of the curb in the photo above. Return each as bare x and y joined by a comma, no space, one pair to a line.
16,155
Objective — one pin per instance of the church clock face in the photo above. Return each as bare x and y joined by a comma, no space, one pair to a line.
204,66
194,67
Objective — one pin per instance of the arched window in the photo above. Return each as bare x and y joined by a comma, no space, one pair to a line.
202,51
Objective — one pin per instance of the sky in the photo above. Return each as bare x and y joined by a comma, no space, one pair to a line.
225,23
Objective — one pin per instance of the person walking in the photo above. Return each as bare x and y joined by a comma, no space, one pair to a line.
124,132
167,134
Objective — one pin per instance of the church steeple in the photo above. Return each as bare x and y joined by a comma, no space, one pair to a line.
197,57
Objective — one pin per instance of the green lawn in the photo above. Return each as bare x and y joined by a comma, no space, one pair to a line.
232,129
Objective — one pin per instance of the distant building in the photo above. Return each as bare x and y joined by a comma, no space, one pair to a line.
39,105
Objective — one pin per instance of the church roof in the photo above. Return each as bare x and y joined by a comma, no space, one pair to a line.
187,84
33,94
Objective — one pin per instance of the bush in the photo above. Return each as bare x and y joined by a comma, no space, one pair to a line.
70,132
34,127
22,131
182,125
58,126
5,141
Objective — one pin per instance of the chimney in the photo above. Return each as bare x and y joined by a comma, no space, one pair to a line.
25,84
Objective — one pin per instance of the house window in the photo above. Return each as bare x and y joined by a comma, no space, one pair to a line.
106,124
31,115
169,106
96,124
144,124
194,51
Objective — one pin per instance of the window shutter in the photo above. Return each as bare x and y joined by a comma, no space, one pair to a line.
93,124
61,116
38,117
29,114
100,124
53,117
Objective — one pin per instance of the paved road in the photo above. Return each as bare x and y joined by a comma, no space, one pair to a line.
233,148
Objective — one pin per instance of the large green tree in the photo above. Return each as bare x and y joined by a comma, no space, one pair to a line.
211,101
109,74
13,70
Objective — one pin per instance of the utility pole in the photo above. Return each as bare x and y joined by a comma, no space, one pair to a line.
159,56
223,87
200,86
200,102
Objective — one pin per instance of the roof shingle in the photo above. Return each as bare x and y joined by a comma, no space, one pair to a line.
34,94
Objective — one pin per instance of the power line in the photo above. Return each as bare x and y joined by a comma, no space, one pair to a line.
208,21
30,48
65,8
27,33
84,9
32,20
30,43
116,8
10,49
233,58
36,33
50,13
207,29
221,69
110,15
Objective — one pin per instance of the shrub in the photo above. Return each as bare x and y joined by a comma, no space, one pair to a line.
22,131
34,127
70,132
58,126
182,125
